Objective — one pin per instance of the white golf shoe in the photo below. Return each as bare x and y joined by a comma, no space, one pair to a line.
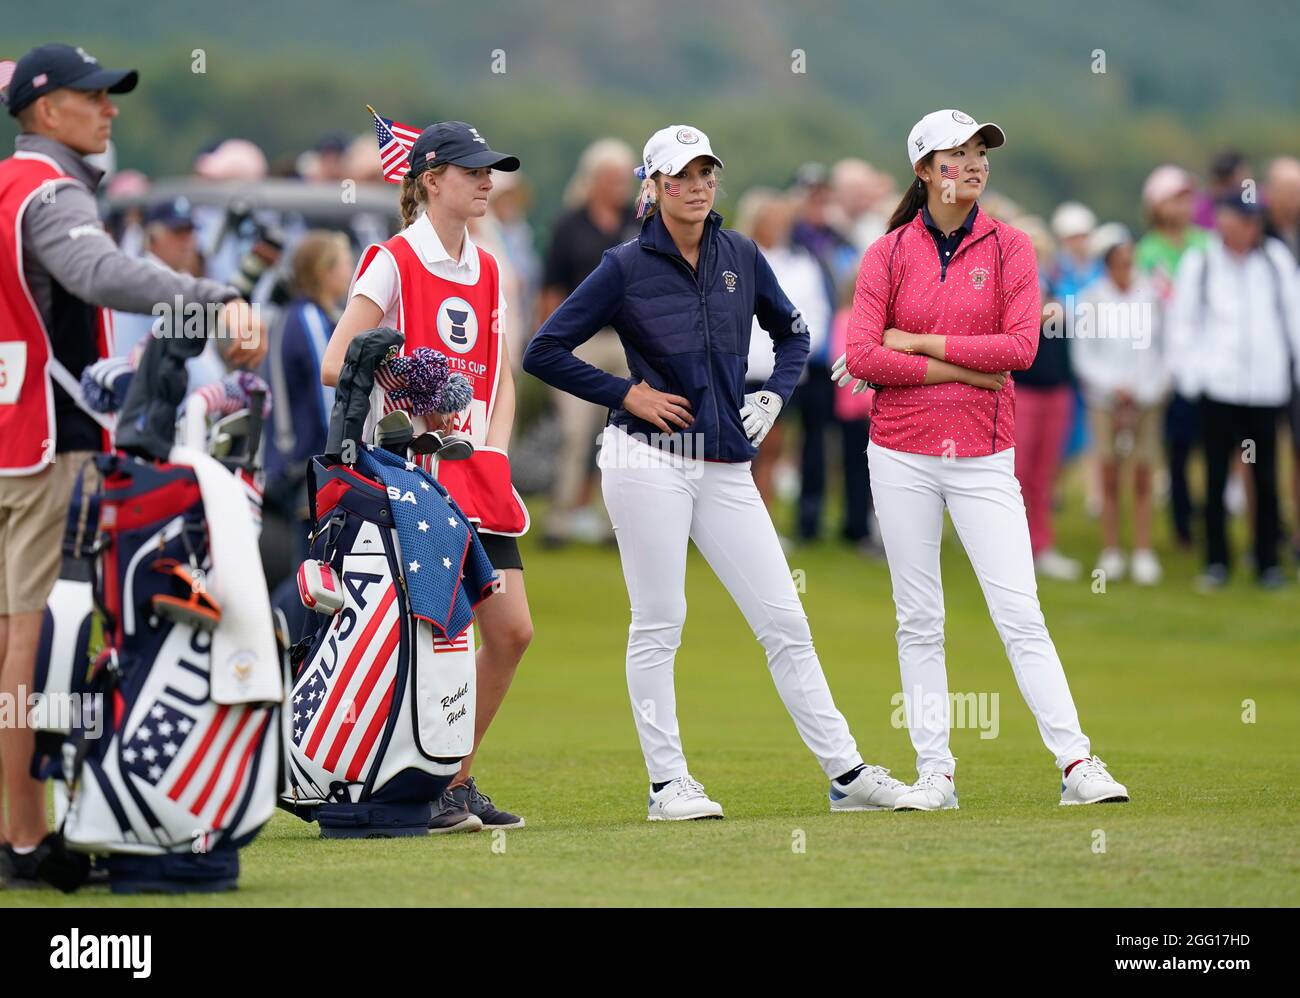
1146,568
933,791
1110,563
873,789
1089,783
682,799
1051,564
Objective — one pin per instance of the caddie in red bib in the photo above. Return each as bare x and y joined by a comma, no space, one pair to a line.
443,294
29,366
461,321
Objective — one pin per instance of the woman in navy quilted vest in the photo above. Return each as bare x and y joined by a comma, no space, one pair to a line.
675,458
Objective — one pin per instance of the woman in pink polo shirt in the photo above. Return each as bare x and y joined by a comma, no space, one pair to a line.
945,296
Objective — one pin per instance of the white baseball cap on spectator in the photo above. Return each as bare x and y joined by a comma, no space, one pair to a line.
1166,182
1072,219
1106,237
669,150
948,129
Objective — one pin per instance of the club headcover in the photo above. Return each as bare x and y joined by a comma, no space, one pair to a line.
146,426
356,380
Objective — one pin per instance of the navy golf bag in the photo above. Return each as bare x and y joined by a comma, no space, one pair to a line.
381,710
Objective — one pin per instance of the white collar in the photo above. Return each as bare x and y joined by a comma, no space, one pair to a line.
425,239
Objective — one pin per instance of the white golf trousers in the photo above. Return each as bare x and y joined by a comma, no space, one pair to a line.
657,502
983,498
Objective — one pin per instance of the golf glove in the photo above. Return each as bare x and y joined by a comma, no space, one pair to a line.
841,376
759,413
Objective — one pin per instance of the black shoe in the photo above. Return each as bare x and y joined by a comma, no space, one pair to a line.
488,813
18,872
1214,577
451,812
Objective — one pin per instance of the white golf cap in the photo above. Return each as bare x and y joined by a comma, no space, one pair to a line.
947,129
1072,219
670,149
1106,237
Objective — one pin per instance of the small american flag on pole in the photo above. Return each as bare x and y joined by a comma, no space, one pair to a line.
395,142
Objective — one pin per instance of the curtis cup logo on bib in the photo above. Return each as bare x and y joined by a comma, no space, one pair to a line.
457,324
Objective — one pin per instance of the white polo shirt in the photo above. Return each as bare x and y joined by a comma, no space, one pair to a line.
379,282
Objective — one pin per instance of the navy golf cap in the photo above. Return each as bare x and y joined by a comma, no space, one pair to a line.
458,143
1247,207
174,214
50,67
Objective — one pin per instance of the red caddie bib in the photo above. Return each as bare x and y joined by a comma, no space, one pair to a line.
27,364
460,321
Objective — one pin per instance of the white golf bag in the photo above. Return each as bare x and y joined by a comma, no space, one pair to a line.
381,711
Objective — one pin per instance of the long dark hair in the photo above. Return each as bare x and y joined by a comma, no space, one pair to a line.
912,200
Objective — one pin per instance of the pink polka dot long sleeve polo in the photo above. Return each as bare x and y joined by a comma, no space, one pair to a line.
987,305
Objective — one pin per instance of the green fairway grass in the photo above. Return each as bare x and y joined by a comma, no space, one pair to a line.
1159,675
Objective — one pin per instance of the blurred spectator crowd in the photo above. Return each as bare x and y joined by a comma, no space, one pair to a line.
1166,370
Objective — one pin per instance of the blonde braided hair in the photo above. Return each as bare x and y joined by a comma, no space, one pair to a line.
415,196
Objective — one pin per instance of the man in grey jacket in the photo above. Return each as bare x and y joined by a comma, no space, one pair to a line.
58,270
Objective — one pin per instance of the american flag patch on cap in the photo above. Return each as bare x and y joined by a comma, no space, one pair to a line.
431,154
40,79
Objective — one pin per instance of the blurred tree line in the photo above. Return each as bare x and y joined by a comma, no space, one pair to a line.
1176,87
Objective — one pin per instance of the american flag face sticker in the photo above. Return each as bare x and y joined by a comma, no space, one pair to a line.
949,172
673,188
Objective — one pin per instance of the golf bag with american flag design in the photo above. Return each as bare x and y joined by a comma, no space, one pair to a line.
173,762
382,707
381,711
176,765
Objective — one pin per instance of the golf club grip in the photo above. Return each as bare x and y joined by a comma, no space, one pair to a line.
256,402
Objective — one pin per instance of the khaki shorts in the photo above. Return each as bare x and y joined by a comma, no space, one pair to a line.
33,516
1143,437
